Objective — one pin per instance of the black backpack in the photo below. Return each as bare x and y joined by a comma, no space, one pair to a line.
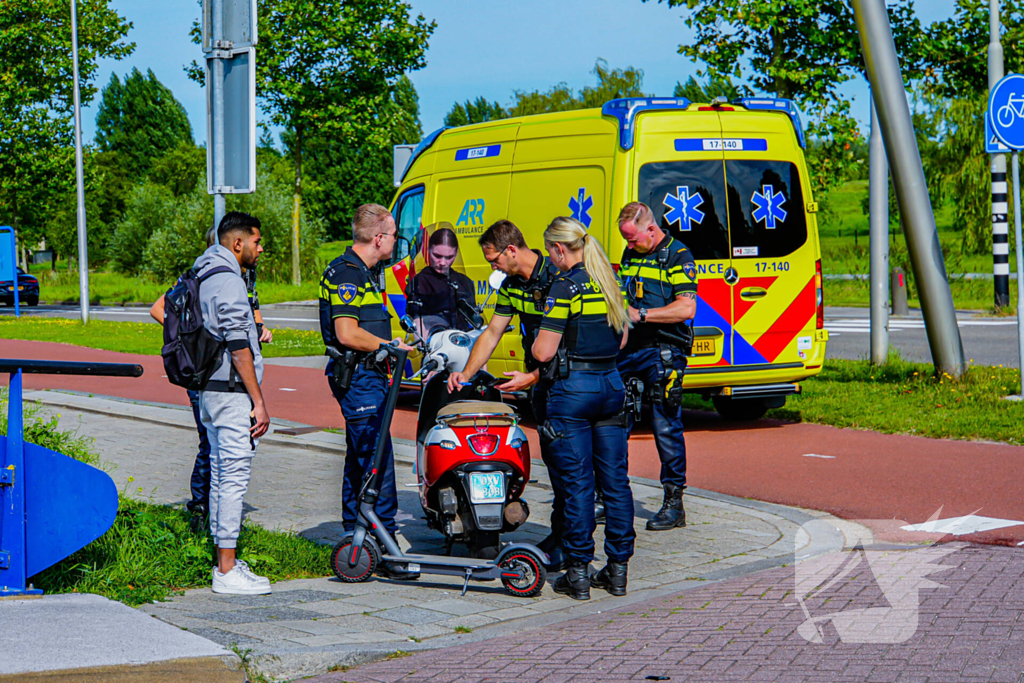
191,354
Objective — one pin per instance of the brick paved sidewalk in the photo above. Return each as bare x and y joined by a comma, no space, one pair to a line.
969,628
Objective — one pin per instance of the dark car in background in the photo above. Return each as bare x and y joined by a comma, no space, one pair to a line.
28,290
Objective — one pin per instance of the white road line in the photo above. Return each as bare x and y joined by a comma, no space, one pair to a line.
286,389
815,455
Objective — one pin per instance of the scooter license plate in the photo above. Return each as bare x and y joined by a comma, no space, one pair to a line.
487,487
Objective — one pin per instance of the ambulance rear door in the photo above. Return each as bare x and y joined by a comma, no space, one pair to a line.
679,172
772,275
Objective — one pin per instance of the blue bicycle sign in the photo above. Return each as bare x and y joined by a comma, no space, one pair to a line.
1006,111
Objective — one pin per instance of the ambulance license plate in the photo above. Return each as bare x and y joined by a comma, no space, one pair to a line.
486,487
703,347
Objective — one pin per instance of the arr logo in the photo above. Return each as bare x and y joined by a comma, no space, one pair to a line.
472,213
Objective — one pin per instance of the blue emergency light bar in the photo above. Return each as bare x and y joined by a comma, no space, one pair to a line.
424,145
776,104
626,109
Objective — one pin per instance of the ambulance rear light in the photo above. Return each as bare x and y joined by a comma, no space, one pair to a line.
819,297
776,104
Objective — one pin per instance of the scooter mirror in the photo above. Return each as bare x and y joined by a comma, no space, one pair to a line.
470,313
406,322
496,278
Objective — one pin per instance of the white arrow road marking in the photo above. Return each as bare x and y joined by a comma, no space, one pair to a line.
960,526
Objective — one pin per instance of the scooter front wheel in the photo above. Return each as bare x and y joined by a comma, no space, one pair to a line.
534,574
366,561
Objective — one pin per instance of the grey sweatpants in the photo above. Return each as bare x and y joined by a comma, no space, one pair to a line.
226,418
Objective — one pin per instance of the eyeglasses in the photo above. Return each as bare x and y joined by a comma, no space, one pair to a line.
388,234
494,260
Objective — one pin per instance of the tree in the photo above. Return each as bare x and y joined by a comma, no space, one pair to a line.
140,120
180,169
36,131
716,86
474,111
328,67
349,173
797,49
611,84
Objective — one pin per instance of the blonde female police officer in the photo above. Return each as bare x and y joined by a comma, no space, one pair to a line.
584,327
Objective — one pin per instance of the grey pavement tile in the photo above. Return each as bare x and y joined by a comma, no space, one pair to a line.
374,602
259,614
456,607
333,608
225,638
277,598
316,627
268,633
412,615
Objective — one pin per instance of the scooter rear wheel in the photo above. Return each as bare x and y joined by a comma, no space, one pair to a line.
366,561
535,574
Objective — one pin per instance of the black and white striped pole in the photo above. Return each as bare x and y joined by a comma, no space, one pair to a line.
1000,224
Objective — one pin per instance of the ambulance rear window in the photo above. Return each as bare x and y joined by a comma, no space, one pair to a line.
766,208
688,201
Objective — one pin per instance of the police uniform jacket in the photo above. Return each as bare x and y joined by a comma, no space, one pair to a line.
654,280
350,289
526,298
576,309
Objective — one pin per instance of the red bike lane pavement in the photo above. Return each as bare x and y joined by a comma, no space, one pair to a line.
853,474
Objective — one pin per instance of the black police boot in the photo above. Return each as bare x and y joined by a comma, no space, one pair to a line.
671,514
198,520
574,582
599,509
396,571
612,578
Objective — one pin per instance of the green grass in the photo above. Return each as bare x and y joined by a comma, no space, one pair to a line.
142,338
150,552
907,398
843,231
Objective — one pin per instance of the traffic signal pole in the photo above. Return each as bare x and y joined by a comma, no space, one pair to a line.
897,127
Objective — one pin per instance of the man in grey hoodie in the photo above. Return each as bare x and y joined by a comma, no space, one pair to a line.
231,404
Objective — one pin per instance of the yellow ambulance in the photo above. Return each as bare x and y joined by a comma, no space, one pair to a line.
727,179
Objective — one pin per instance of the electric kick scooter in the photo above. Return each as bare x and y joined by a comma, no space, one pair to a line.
519,566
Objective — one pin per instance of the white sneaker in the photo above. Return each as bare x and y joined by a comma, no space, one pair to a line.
244,566
239,582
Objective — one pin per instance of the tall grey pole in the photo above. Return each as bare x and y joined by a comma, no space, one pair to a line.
890,99
1000,226
83,245
878,217
217,37
1020,266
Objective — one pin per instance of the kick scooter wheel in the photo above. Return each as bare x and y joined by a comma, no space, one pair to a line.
534,577
365,563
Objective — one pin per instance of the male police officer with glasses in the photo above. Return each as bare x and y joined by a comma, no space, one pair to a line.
354,322
661,282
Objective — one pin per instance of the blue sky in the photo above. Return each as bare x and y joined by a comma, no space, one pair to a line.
484,47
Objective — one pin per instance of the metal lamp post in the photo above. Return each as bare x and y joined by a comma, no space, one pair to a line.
83,246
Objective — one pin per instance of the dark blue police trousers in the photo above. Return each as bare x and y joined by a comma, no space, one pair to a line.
583,446
668,423
200,482
362,406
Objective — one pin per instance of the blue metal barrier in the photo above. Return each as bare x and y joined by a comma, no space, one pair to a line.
50,505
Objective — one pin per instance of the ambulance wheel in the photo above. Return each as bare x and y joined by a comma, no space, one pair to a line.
534,574
741,409
366,562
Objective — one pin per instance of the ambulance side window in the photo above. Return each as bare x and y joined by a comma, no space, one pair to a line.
408,218
688,201
766,208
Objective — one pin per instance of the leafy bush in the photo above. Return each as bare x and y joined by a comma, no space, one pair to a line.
147,207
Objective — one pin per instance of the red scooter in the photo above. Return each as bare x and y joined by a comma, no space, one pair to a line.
473,459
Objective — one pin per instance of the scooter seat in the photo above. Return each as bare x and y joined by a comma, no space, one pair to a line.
469,409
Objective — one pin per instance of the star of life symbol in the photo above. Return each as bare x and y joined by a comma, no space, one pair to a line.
580,207
769,207
682,208
894,573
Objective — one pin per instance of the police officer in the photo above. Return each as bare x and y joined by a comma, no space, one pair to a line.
585,325
354,322
661,284
523,293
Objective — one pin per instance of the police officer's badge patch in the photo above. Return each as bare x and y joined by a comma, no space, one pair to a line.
549,304
690,270
347,292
